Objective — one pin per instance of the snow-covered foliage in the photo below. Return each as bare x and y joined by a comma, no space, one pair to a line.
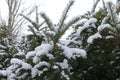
92,49
95,36
18,70
42,54
72,52
87,24
41,50
44,59
7,48
55,32
36,36
98,33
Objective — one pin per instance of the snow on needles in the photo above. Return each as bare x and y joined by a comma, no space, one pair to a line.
43,49
16,61
42,63
101,27
66,76
87,24
35,70
112,10
64,64
98,35
3,72
73,52
95,36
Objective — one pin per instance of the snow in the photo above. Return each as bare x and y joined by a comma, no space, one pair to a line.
29,54
3,72
55,67
26,65
112,10
87,24
81,22
95,36
42,63
67,42
35,70
20,53
51,33
101,27
12,77
43,49
64,64
20,62
98,35
39,67
36,59
3,47
2,52
79,52
69,52
16,61
40,72
12,71
105,19
108,37
66,76
115,9
50,56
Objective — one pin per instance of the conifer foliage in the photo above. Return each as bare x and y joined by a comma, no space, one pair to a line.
98,33
91,52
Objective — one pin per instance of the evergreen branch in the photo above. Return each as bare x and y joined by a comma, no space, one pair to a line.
103,4
32,22
71,22
41,29
37,18
64,15
111,12
94,6
33,31
48,21
41,23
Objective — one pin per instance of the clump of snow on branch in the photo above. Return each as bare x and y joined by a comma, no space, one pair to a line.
104,26
87,24
35,70
24,65
71,52
95,36
66,76
64,64
43,49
